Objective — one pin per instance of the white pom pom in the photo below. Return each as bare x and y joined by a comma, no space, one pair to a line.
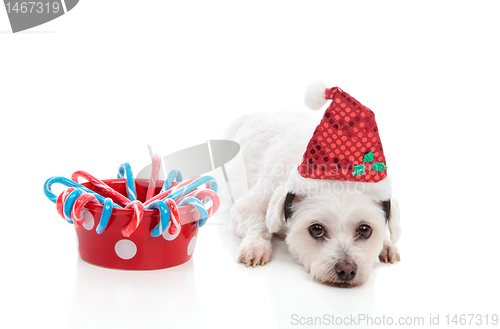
315,95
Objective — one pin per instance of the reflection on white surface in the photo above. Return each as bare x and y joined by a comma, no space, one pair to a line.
62,290
123,299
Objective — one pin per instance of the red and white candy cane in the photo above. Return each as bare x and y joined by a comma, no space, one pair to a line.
101,187
138,208
76,211
174,225
155,172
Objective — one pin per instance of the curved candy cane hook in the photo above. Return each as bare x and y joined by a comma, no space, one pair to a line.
75,204
136,220
209,180
199,206
107,209
47,189
77,208
172,175
72,201
125,171
100,186
174,225
164,217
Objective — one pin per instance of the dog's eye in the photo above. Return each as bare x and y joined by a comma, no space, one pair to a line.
364,231
316,231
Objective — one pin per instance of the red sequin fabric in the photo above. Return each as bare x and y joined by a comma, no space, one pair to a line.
346,144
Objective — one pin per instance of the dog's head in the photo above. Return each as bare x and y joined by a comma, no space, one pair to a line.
336,236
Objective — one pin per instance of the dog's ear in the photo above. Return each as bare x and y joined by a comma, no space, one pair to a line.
394,223
275,216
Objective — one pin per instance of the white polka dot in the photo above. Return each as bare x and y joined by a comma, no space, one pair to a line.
88,220
169,237
191,245
125,249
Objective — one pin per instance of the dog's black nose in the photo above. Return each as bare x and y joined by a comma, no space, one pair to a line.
346,271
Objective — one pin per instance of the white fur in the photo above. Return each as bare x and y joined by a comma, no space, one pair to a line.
314,97
273,145
394,223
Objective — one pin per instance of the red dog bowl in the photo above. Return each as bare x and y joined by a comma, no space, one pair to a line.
140,251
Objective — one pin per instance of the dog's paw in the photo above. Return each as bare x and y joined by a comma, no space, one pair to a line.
389,253
255,251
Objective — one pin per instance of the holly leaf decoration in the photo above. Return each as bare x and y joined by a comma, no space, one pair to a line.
379,166
359,169
368,157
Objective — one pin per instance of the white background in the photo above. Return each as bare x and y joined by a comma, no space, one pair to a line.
92,88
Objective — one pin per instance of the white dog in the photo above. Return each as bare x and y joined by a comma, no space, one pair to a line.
336,234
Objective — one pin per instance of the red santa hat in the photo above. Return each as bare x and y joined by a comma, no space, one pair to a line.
345,153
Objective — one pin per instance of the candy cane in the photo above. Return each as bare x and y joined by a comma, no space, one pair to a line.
174,226
69,202
199,206
207,180
60,202
100,186
47,189
155,172
124,171
75,205
164,217
179,190
136,220
78,207
173,175
203,194
107,209
163,195
175,193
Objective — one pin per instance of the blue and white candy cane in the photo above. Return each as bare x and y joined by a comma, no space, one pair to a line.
199,206
126,172
107,208
164,217
172,175
212,184
69,202
47,189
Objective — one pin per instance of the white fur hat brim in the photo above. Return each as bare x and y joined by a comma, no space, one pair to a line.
379,191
